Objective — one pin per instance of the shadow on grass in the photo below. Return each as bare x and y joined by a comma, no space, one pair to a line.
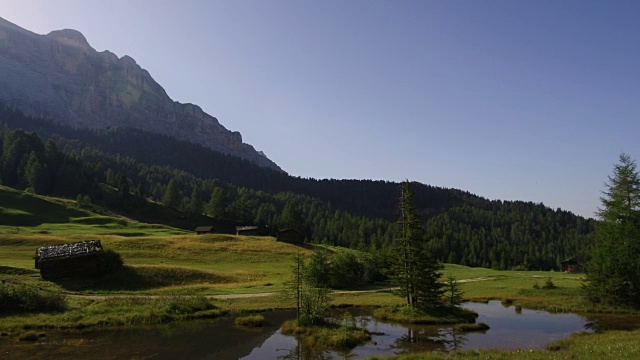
130,278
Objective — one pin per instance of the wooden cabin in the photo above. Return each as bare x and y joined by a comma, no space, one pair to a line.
292,236
204,230
571,266
247,230
69,260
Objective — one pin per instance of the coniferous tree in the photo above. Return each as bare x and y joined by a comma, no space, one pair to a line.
195,204
217,205
37,175
291,217
452,292
171,196
414,270
614,267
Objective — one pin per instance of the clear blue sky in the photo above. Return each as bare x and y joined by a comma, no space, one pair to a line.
513,100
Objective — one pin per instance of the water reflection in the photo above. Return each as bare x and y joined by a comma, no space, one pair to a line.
221,339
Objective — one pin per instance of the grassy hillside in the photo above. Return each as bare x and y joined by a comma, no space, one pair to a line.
22,212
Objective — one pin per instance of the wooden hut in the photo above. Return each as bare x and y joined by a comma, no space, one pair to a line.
247,230
69,260
571,266
292,236
204,230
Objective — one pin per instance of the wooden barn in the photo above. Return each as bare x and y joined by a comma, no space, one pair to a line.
204,230
292,236
69,260
247,230
571,266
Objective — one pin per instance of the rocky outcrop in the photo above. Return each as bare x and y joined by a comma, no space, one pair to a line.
61,77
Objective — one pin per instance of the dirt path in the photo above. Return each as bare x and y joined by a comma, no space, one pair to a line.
245,296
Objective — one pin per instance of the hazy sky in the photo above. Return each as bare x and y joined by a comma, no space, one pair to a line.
513,100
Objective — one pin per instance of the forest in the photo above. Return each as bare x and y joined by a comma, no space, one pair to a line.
153,177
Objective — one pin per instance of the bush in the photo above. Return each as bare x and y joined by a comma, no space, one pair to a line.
549,284
22,298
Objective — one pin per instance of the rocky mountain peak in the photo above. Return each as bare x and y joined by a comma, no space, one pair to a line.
61,77
70,37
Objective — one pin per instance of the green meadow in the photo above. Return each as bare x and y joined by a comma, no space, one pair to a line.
171,274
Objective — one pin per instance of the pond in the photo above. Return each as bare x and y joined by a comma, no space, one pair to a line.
221,339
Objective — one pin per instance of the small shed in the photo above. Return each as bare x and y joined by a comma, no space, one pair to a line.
247,230
69,260
292,236
571,265
204,230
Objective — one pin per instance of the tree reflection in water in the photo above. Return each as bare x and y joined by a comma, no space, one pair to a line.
453,341
306,352
430,339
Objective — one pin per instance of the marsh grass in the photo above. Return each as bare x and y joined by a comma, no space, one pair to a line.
250,321
428,316
327,335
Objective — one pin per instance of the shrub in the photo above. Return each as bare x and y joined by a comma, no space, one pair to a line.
549,284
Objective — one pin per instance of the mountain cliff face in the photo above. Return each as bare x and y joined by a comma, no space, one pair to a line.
61,77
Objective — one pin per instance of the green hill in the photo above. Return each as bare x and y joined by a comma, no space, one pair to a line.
22,212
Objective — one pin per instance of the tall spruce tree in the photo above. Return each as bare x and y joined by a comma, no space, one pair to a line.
196,206
614,267
171,196
414,270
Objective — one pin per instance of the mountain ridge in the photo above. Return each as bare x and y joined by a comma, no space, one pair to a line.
61,77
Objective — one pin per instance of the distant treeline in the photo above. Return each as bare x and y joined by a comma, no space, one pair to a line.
461,227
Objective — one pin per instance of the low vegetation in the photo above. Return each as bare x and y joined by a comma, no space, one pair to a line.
250,321
117,311
19,298
435,315
327,335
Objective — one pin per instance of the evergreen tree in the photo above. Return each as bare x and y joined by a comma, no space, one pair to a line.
217,205
312,302
37,175
614,267
171,196
291,217
195,204
414,270
452,292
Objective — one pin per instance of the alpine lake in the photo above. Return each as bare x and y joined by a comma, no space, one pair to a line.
510,328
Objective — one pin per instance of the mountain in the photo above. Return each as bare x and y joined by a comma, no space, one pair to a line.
61,77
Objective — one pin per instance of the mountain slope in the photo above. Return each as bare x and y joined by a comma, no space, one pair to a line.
61,77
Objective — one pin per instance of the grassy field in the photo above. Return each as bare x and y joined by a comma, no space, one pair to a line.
24,213
171,273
